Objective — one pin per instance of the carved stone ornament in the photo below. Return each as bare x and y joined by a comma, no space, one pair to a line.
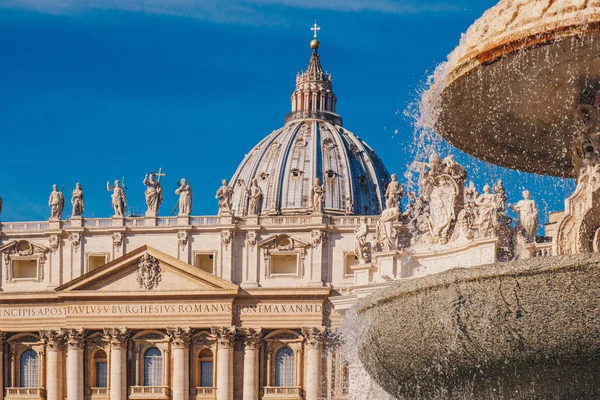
117,238
251,239
283,242
53,339
225,336
23,248
54,241
226,238
117,337
252,337
180,337
75,239
148,272
75,337
182,238
318,237
313,337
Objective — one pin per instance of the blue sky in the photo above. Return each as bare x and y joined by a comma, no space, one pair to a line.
96,90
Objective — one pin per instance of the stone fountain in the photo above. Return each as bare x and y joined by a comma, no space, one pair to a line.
521,91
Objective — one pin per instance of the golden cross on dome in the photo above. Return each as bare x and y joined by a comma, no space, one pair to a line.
315,28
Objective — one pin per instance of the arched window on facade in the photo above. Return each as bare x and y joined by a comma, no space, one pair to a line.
153,367
284,367
205,359
101,368
29,371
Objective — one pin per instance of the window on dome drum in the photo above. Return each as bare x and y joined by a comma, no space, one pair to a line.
101,369
284,367
205,360
95,261
153,367
205,261
29,369
284,264
350,259
25,269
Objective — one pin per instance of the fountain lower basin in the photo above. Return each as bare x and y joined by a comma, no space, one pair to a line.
518,330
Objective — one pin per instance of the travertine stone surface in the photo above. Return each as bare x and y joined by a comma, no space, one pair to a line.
526,330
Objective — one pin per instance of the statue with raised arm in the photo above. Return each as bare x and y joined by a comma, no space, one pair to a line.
119,199
255,194
153,194
77,200
225,197
185,197
362,248
394,192
56,201
317,194
528,216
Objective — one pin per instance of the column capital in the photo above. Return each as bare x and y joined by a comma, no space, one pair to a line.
53,339
75,338
314,337
225,336
252,337
180,337
116,336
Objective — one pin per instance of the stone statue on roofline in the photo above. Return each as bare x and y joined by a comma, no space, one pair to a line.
487,208
119,198
256,196
528,217
317,196
56,201
394,192
154,195
77,200
225,197
184,191
362,248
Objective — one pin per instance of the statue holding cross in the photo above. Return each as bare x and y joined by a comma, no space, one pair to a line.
153,192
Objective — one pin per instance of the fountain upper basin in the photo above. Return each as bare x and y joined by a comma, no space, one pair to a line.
526,330
511,88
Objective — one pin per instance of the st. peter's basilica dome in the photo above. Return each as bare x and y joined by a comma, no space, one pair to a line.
312,144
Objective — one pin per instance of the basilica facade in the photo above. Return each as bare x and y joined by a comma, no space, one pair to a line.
246,304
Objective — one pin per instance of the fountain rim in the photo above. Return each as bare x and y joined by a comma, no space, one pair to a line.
455,276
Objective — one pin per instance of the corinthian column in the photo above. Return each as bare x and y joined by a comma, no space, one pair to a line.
54,341
118,356
180,343
225,339
2,336
252,338
75,341
313,339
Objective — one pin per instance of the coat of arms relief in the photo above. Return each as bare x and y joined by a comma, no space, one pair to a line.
148,272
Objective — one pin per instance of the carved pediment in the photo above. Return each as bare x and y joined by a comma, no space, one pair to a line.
147,271
23,248
283,242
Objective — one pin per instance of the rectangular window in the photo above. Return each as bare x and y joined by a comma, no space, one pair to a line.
25,269
284,264
350,260
206,262
101,374
95,261
206,371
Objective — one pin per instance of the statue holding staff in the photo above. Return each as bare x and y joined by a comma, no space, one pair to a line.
153,192
119,199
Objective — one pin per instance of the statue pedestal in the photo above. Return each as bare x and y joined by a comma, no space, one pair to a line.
54,224
317,219
226,219
389,264
363,274
183,220
118,221
150,221
252,220
76,222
